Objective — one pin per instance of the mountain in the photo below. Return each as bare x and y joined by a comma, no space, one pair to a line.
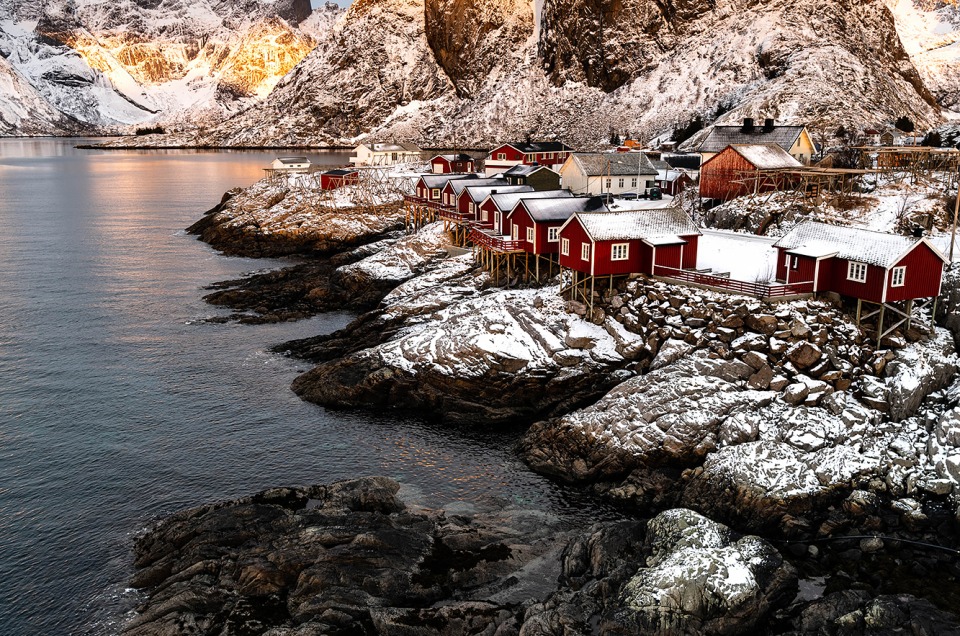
930,32
459,73
175,63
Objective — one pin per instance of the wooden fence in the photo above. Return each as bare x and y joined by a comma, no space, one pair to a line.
760,290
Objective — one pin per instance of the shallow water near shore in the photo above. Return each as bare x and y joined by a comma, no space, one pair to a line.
119,403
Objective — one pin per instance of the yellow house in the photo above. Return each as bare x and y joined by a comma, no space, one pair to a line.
794,139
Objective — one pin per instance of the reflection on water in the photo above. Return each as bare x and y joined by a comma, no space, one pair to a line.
118,404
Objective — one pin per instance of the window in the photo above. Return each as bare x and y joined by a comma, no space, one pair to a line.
436,193
549,155
786,260
531,158
473,208
857,272
529,235
484,215
609,183
585,251
515,233
620,183
553,234
633,182
899,276
619,251
501,156
565,247
795,262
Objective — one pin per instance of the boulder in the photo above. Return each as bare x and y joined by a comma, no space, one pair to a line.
804,354
762,323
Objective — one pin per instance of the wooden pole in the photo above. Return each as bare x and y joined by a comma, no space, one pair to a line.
859,307
909,311
880,325
953,233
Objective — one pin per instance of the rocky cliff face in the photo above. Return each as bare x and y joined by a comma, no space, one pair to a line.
456,73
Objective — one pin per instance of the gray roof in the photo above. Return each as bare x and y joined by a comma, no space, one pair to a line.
293,160
528,147
522,170
480,192
440,180
617,164
458,186
811,238
654,225
506,202
766,156
659,165
456,157
722,136
560,209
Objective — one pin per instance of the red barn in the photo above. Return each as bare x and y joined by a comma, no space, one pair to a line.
537,222
446,164
495,208
742,169
548,153
862,264
333,179
631,242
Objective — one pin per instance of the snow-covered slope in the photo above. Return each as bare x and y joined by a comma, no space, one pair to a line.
22,109
930,32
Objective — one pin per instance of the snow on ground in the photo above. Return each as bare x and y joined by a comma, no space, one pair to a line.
746,257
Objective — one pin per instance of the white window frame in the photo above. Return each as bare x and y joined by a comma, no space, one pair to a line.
898,276
621,183
553,234
786,261
633,182
436,193
796,263
484,215
501,156
515,232
584,251
565,246
473,208
620,251
530,235
609,184
857,271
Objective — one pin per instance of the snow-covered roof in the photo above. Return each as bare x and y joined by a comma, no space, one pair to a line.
670,174
286,160
458,185
560,209
528,147
455,157
651,225
432,180
478,193
523,170
593,164
818,240
766,156
722,136
506,202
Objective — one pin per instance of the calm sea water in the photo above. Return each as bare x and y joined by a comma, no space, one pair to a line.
118,403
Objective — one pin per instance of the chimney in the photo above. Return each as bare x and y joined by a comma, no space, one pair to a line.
748,124
918,231
493,192
768,125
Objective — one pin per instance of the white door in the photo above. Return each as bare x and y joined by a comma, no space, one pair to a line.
496,221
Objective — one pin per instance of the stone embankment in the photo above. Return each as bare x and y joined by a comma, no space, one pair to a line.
354,558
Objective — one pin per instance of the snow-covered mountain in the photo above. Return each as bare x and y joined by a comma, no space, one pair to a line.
466,73
930,32
177,63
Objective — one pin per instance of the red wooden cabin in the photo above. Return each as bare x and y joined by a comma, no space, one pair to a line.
742,169
495,208
468,203
862,264
450,193
430,186
446,164
548,153
333,179
537,222
632,242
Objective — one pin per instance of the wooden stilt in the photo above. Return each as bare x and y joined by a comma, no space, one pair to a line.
909,312
859,309
880,325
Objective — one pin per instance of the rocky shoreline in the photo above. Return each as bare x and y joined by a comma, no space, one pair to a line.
786,473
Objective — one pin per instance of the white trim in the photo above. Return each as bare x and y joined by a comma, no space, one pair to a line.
564,246
886,280
853,267
816,275
626,251
902,270
531,235
556,234
589,251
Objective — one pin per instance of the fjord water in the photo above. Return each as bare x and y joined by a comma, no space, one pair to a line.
119,403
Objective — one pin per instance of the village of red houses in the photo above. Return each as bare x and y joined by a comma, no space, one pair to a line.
538,209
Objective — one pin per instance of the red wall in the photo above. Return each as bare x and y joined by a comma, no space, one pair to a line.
521,219
690,251
577,235
922,278
450,167
511,154
718,172
633,265
871,290
445,167
544,246
490,208
668,256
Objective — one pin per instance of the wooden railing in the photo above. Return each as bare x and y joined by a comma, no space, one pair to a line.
761,290
452,214
412,199
492,241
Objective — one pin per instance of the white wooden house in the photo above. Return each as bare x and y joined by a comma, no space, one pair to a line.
385,154
291,164
596,173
